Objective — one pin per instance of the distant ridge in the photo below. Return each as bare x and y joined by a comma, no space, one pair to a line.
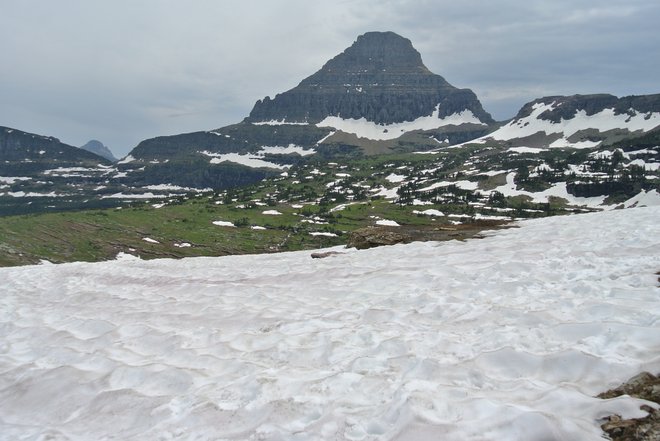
98,148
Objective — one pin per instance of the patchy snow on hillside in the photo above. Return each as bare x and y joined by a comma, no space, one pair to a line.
223,223
13,179
371,130
557,190
256,160
509,337
282,122
126,160
602,121
248,160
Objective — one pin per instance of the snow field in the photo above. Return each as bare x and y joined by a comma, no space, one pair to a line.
507,337
371,130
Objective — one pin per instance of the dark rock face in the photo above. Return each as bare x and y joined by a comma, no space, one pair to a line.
381,77
566,106
98,148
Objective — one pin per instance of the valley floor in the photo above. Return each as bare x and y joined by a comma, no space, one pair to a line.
509,337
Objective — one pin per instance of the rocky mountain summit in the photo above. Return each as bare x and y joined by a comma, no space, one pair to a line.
380,78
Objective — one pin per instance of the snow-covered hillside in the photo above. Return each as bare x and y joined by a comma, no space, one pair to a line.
574,127
505,338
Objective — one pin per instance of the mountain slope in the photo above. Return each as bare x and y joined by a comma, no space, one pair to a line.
376,97
21,150
580,121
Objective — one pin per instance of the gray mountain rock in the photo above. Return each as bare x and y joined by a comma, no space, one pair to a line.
97,147
381,78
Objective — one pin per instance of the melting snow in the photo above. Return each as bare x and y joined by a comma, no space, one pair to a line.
503,338
367,129
322,233
602,121
148,195
13,179
256,160
394,178
525,150
223,223
429,212
387,223
649,198
558,190
126,160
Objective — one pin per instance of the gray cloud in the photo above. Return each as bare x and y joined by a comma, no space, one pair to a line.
124,71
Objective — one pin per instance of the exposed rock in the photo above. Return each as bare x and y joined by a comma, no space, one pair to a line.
371,237
381,78
382,235
323,255
647,387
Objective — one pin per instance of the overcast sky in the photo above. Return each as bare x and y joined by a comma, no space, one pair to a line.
122,71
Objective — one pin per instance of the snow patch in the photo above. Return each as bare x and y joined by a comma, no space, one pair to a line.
126,160
429,212
602,121
387,223
223,223
370,130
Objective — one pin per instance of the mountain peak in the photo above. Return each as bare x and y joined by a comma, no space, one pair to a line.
381,78
377,51
98,148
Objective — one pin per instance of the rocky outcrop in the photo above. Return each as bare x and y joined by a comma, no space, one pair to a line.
381,78
647,387
371,237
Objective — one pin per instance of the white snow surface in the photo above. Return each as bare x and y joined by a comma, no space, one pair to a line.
371,130
126,160
644,198
504,338
387,223
602,121
429,212
256,160
13,179
394,178
223,223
